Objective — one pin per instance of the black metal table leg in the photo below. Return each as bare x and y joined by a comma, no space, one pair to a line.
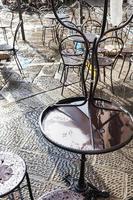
80,185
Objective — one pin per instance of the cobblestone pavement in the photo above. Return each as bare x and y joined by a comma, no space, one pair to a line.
23,99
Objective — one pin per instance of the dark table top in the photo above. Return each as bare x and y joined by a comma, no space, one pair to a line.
77,130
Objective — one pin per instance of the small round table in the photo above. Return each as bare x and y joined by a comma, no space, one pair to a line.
86,128
12,173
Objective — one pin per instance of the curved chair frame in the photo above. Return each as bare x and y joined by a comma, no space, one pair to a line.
8,48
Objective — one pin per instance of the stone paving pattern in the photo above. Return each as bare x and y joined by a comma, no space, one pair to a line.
21,102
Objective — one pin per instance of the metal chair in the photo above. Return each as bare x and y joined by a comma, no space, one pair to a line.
71,59
92,26
126,35
109,51
49,22
6,20
12,48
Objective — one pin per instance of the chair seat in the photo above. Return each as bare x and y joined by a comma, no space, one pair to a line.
127,50
5,26
96,131
5,47
49,26
105,61
71,52
62,195
72,61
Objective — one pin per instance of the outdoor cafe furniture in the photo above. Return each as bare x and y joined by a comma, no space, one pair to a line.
6,20
71,59
49,22
109,51
13,172
87,125
127,55
12,49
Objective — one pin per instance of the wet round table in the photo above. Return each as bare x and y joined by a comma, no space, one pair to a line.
100,128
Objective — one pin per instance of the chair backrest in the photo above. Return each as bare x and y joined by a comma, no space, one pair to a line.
62,32
16,33
92,26
125,33
6,18
69,48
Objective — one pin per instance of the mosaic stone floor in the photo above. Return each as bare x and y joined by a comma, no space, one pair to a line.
22,101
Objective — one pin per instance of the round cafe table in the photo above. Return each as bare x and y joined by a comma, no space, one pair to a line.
100,128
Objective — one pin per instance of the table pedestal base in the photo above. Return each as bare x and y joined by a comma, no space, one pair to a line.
81,186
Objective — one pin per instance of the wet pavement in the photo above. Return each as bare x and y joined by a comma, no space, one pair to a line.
23,99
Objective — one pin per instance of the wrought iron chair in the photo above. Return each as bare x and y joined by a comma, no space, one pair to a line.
92,26
12,48
109,51
71,58
6,20
126,35
48,24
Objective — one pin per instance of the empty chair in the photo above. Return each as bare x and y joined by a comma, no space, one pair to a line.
109,50
12,48
92,26
71,58
48,26
6,20
126,35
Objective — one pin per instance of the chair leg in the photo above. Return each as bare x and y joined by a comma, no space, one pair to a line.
111,80
59,68
124,58
62,74
11,196
129,67
65,78
5,35
43,36
104,74
18,64
29,186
